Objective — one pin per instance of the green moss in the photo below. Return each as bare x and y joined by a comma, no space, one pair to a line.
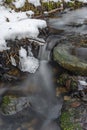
63,78
47,6
5,102
78,4
59,4
74,85
74,4
67,122
50,5
71,4
8,1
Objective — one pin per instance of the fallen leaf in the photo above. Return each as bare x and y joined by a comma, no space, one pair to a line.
75,104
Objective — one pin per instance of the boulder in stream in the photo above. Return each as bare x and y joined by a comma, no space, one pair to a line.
71,58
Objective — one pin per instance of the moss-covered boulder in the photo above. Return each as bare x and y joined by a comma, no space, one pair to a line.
71,58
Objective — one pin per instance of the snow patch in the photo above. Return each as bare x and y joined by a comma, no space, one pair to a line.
17,25
13,16
83,1
51,0
35,2
19,3
21,29
82,85
82,82
28,63
13,62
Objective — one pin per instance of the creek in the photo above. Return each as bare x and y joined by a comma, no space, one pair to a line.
43,107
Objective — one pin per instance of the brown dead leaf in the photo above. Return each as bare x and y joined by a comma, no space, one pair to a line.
67,98
68,84
60,90
75,104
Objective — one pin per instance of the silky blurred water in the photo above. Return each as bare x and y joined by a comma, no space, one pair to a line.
72,21
44,106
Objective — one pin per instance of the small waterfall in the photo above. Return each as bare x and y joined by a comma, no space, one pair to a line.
44,54
45,50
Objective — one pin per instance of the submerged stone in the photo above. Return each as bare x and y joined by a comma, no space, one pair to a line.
11,105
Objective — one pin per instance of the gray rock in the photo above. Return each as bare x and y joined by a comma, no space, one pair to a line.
64,55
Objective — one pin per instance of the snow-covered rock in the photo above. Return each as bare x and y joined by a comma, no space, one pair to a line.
17,25
27,63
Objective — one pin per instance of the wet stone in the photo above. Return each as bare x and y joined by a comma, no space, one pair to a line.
1,122
18,128
74,63
29,125
11,105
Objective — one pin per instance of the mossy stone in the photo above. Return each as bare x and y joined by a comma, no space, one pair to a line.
62,55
